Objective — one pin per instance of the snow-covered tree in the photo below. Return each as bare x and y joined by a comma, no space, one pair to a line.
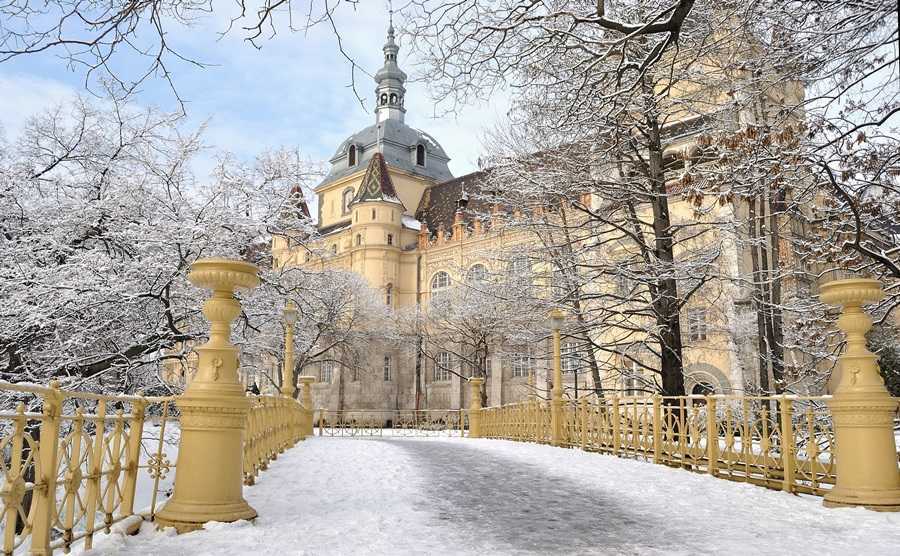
101,219
338,317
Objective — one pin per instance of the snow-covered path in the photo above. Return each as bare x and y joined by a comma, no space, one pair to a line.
466,496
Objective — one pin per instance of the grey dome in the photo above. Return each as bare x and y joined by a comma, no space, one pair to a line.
390,136
397,142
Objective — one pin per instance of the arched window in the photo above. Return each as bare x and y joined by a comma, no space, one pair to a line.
358,239
442,367
393,99
346,199
420,155
477,274
703,389
383,99
440,280
390,239
351,158
389,295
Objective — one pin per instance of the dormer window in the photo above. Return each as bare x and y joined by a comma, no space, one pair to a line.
351,158
420,155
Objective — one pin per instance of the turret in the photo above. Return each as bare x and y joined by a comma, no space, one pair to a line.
390,92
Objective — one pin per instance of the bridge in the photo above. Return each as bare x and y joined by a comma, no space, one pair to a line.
273,475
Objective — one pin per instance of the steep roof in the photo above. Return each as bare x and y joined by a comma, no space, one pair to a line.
440,201
376,184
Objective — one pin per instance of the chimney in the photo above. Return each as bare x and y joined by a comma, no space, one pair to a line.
423,236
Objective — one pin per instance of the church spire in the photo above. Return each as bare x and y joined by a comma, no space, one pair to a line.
389,91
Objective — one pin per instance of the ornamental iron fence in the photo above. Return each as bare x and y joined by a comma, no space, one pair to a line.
781,442
71,462
392,423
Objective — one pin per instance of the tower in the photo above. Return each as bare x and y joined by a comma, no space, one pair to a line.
389,91
375,229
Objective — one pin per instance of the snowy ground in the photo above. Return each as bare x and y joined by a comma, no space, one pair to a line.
465,496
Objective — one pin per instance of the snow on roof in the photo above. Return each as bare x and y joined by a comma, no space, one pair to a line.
409,222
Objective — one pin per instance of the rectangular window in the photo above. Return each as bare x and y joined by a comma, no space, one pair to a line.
697,328
624,286
388,368
442,367
521,365
570,361
390,239
488,366
326,372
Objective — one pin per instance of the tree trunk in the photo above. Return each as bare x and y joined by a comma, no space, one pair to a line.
776,340
666,305
758,297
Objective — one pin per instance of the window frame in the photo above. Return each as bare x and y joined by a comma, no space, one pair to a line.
698,328
346,198
387,368
420,148
441,368
472,278
435,286
521,276
521,365
570,361
326,368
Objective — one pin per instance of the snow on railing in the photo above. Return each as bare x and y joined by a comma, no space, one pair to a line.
73,468
783,442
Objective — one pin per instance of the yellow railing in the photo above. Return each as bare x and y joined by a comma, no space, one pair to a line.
274,424
783,442
70,463
400,422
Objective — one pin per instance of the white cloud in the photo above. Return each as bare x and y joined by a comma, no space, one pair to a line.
24,96
294,91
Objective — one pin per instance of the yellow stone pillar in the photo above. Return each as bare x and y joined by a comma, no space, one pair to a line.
306,382
862,409
208,477
287,372
475,407
556,402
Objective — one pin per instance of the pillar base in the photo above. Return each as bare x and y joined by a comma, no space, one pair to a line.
877,500
191,517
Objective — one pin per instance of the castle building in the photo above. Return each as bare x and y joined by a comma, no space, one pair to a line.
390,210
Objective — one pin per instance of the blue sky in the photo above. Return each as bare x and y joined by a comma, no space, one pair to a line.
293,92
